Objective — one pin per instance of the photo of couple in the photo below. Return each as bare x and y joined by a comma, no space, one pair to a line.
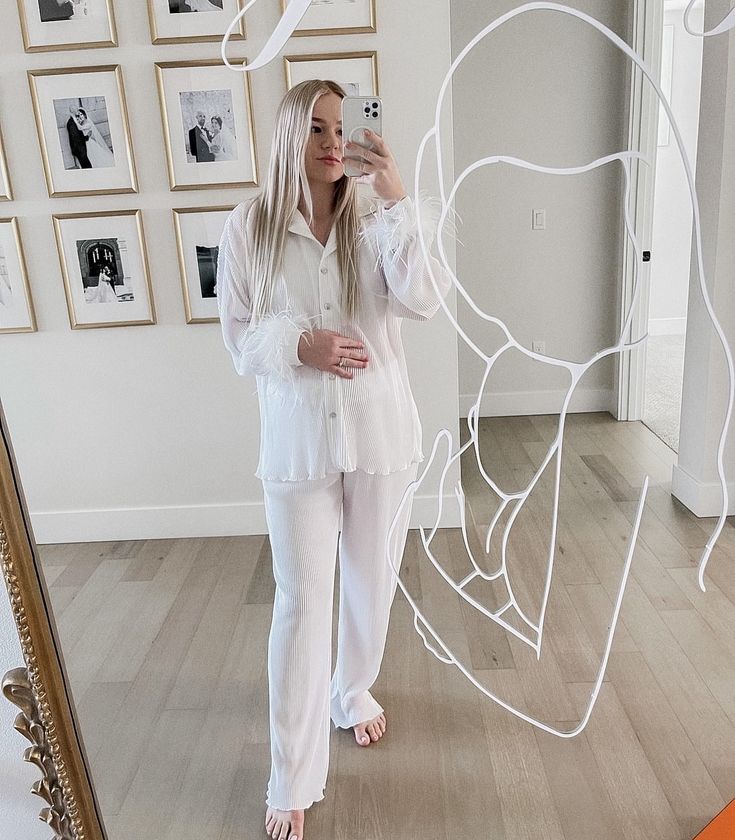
62,9
100,267
84,133
176,6
208,138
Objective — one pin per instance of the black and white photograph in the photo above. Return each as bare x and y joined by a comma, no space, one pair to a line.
104,264
198,233
182,21
207,256
337,17
66,24
83,130
63,10
356,72
101,271
16,306
208,125
180,6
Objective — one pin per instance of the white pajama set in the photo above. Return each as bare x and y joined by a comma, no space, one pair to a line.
333,452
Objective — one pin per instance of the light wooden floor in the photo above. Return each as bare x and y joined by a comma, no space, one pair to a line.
165,644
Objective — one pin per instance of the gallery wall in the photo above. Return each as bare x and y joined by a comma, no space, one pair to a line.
147,431
553,92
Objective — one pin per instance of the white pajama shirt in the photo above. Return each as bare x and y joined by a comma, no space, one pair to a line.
332,451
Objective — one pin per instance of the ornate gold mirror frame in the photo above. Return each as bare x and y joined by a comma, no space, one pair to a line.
46,718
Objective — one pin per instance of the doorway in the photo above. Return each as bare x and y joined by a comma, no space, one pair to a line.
671,237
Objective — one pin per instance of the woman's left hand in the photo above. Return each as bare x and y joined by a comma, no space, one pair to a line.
379,167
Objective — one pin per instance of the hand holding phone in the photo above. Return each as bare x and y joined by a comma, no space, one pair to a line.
359,113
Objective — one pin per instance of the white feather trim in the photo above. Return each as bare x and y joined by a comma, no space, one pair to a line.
391,230
266,351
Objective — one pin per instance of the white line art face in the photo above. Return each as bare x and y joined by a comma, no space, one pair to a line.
511,503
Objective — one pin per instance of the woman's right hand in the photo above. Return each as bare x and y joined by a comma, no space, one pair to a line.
323,349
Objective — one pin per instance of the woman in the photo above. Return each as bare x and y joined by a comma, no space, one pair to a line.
97,151
312,289
105,290
222,144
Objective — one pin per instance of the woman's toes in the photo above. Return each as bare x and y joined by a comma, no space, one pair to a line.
361,735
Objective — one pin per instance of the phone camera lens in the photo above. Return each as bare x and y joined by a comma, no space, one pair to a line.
375,104
375,113
367,110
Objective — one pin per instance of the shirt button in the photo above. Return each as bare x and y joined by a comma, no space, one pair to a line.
332,375
324,271
332,414
327,305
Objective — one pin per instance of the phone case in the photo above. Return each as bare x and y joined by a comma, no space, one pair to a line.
359,113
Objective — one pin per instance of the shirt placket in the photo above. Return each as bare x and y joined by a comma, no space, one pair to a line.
328,290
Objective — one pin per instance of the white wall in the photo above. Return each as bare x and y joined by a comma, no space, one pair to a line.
705,388
138,432
553,92
672,213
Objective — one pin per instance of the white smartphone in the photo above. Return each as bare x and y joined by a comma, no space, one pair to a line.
359,113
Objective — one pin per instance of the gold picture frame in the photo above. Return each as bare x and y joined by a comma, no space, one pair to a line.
41,690
82,43
157,38
64,258
178,213
53,173
293,61
365,29
174,160
23,272
6,190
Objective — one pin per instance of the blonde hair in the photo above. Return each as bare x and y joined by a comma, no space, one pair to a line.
285,183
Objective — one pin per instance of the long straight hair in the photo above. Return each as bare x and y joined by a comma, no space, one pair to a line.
285,183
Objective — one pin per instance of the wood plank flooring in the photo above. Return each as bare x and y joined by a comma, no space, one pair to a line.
165,645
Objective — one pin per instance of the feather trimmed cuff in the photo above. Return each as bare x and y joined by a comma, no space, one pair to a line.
392,229
272,346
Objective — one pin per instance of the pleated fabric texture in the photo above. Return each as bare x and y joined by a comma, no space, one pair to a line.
303,521
313,423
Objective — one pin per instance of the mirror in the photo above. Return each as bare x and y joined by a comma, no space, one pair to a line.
143,556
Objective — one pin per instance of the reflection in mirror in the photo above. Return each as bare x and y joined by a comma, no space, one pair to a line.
206,695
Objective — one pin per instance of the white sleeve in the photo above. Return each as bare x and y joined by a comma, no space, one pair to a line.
394,234
268,346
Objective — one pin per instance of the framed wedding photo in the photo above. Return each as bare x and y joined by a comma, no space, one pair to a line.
187,21
83,130
66,24
16,306
357,72
105,269
337,17
207,125
6,193
198,233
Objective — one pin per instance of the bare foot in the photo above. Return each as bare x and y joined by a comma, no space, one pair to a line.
370,730
284,825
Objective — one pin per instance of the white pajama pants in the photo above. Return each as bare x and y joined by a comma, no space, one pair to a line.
303,522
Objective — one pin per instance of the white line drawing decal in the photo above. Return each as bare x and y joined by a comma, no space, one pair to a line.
532,634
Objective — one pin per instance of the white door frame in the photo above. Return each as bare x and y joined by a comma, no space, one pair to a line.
646,40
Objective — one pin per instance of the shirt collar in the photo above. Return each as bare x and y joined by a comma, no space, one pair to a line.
365,206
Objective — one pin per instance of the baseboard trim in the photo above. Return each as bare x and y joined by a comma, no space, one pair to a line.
701,499
244,518
513,403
